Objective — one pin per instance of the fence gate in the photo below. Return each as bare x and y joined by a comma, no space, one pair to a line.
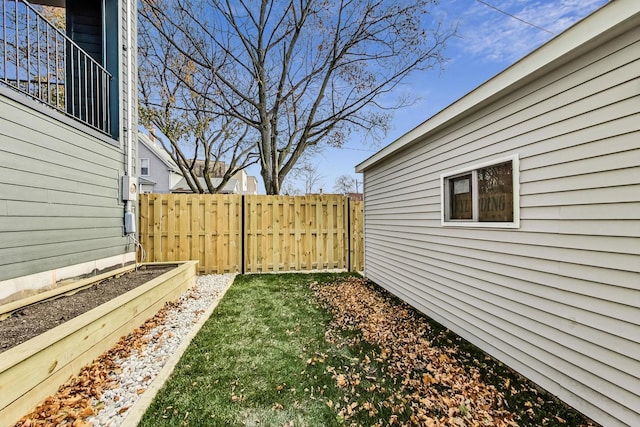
233,233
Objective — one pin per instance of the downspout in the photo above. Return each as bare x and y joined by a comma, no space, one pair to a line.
130,184
128,130
129,217
129,113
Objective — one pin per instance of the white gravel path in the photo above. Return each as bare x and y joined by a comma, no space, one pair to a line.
166,343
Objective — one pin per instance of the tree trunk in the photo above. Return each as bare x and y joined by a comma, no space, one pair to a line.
271,182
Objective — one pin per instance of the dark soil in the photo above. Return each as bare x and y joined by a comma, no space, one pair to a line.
35,319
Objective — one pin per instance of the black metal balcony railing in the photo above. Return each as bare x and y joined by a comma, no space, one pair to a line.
39,60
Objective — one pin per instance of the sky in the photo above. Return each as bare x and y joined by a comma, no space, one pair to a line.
488,42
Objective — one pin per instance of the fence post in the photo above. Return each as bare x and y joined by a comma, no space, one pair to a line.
242,235
348,236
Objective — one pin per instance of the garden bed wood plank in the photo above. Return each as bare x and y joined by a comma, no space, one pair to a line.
7,309
35,369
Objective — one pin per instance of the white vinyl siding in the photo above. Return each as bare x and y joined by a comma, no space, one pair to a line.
557,299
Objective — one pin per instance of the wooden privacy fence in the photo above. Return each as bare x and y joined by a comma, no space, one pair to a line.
233,233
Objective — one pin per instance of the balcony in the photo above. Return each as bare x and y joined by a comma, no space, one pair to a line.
39,60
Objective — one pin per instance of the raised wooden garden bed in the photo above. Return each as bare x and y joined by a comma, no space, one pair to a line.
35,369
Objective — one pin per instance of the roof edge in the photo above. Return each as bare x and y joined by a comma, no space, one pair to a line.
144,138
589,28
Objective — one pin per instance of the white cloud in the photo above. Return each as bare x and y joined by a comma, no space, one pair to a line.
493,36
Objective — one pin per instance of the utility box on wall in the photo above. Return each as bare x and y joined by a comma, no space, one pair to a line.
130,188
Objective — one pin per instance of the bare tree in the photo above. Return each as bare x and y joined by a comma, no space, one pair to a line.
175,100
288,189
310,177
344,184
300,73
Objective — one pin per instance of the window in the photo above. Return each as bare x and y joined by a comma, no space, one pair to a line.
144,167
484,195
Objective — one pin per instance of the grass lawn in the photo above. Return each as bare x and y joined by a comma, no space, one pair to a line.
330,350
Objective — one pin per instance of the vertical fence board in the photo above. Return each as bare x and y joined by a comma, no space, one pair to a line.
157,228
171,254
143,223
281,233
296,250
357,235
209,231
183,228
194,252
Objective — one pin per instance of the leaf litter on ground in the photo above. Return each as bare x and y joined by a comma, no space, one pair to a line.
412,371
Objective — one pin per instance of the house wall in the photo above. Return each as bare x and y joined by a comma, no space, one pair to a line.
60,197
559,298
158,170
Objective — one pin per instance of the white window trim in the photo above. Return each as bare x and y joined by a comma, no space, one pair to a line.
444,187
148,167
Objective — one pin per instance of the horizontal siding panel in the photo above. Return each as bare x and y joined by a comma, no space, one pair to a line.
78,248
45,162
579,321
619,228
591,196
623,245
612,170
621,178
62,170
591,258
9,224
32,194
608,211
106,187
46,210
538,129
605,211
43,130
464,289
554,276
50,259
46,237
608,145
417,204
512,349
396,198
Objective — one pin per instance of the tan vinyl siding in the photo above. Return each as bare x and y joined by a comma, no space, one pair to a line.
558,299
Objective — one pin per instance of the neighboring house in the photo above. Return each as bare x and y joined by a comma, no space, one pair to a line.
67,108
512,216
246,184
240,183
158,172
231,187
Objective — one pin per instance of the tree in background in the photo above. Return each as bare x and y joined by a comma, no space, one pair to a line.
174,99
345,184
310,177
297,73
